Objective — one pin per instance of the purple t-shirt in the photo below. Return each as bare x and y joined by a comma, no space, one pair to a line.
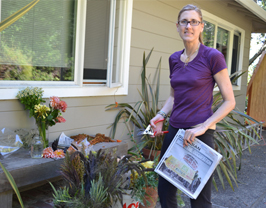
193,86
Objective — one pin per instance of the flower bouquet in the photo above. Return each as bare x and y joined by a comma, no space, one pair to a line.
44,115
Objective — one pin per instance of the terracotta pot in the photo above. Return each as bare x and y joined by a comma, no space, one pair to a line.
153,154
151,196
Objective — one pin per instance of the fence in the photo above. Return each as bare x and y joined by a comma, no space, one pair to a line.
253,130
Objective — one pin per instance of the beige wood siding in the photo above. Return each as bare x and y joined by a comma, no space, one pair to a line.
153,26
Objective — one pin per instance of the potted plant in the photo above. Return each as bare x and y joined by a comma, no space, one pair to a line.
129,187
145,190
96,180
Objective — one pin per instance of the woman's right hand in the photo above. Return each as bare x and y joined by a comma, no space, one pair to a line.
157,128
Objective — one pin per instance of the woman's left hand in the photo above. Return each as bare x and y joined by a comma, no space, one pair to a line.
191,134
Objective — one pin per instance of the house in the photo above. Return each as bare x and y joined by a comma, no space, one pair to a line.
89,53
256,91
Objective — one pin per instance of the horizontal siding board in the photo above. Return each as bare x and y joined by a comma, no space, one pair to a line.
136,57
158,9
10,105
135,76
16,119
154,24
160,43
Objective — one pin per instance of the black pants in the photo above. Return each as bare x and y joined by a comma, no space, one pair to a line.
167,191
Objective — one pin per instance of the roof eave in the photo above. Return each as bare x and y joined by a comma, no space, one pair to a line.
254,8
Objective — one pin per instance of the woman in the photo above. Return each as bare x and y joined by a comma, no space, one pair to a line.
193,73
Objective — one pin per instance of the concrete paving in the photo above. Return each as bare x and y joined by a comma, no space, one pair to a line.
251,190
250,193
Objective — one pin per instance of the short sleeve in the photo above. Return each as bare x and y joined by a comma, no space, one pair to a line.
173,61
170,67
217,61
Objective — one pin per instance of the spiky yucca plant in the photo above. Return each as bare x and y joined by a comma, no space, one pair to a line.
229,140
143,111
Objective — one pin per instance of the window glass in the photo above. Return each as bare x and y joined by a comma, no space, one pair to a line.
226,38
235,56
96,40
208,34
222,41
39,46
98,32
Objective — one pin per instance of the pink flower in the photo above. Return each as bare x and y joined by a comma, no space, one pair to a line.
54,101
48,153
60,119
59,153
62,105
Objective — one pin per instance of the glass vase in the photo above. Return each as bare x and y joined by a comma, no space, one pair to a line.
36,150
42,132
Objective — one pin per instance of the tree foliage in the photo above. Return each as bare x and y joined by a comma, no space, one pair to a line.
262,37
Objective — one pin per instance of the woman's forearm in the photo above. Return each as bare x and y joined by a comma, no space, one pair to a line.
168,105
221,112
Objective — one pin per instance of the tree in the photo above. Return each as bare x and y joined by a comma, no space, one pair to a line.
261,38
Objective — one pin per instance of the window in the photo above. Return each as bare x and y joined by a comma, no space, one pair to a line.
101,30
79,45
96,41
226,38
40,45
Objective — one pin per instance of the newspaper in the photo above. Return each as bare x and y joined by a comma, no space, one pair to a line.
188,168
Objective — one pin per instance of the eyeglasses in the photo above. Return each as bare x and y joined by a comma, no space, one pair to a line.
192,22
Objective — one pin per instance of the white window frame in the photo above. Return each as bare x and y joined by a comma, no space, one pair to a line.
76,88
218,22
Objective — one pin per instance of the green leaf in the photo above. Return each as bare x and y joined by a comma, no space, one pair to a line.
245,116
158,82
218,170
13,184
225,171
214,183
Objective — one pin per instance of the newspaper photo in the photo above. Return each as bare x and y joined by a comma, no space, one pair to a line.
188,168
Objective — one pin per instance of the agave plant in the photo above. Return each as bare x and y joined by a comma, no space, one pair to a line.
143,111
227,138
